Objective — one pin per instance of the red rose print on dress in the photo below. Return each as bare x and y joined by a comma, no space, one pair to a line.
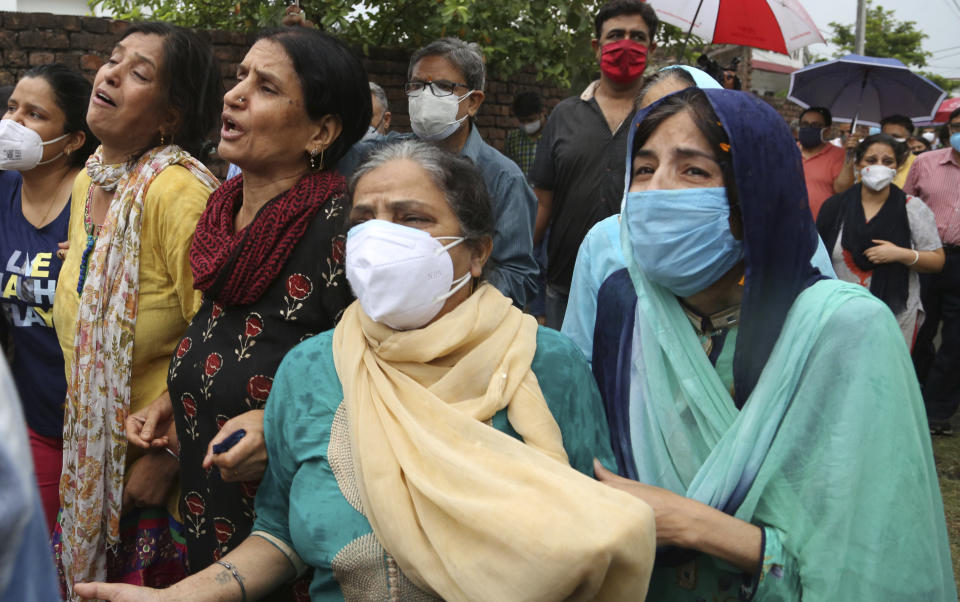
252,327
210,368
258,388
339,248
223,530
190,414
299,288
182,349
195,507
215,312
221,420
249,489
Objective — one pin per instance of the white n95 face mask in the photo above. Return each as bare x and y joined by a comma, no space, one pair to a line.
21,148
435,117
401,276
532,127
877,177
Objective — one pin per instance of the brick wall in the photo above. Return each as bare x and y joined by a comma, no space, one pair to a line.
83,43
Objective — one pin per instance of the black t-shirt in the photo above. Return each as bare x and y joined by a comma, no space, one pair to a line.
582,162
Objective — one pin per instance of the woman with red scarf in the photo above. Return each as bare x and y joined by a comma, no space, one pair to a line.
267,255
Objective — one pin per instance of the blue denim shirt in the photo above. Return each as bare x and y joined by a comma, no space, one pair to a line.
512,267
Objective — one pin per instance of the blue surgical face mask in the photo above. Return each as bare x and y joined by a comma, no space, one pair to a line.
681,238
955,141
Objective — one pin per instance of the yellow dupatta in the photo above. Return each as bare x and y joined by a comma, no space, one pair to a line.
98,397
467,511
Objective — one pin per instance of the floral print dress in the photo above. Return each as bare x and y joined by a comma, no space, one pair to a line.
224,366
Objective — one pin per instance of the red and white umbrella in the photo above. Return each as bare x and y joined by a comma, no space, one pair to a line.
778,25
946,107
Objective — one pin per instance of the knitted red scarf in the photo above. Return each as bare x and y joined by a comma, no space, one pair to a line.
235,268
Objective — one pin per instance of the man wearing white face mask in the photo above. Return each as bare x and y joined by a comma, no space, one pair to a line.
521,142
445,82
901,128
380,122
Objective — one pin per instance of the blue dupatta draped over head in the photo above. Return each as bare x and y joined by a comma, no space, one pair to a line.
831,460
780,236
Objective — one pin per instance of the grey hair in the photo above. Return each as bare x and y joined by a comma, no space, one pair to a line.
377,91
457,178
663,75
465,56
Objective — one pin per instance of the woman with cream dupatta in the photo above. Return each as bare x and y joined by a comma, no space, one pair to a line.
384,473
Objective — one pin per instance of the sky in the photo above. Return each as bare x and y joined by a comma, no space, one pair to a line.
940,19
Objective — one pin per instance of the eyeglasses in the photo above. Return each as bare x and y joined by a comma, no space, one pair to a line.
439,88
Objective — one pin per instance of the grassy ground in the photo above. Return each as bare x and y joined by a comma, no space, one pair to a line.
946,451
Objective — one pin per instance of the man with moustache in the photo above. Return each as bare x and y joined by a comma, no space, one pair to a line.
578,173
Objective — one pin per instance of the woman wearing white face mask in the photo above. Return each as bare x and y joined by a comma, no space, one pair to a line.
44,141
880,237
429,446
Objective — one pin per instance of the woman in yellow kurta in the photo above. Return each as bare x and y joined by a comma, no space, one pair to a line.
124,297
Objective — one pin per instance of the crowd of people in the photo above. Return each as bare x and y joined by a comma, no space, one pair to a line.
660,348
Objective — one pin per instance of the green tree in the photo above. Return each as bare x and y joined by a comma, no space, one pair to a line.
551,36
884,37
887,37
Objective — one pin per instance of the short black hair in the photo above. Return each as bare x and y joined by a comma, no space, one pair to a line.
333,81
901,120
71,92
526,104
191,75
899,150
823,111
615,8
921,140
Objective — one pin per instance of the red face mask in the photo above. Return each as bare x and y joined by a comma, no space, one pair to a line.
623,61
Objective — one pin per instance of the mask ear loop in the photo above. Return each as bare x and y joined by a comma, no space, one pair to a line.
459,283
51,142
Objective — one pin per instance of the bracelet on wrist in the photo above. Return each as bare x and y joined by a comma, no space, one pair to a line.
916,257
236,576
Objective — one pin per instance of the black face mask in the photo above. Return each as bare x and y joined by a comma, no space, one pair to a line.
810,137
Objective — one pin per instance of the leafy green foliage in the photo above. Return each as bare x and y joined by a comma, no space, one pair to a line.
884,37
889,38
670,42
552,36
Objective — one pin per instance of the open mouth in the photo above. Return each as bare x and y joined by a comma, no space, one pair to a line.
230,125
100,95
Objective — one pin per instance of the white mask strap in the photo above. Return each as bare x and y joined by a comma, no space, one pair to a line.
458,284
50,160
456,241
51,142
58,139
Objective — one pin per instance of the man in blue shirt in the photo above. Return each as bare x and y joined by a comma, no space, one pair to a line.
445,82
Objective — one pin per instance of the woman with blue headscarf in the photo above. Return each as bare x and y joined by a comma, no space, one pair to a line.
769,415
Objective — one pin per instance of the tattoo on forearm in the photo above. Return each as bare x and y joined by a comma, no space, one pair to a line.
224,577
